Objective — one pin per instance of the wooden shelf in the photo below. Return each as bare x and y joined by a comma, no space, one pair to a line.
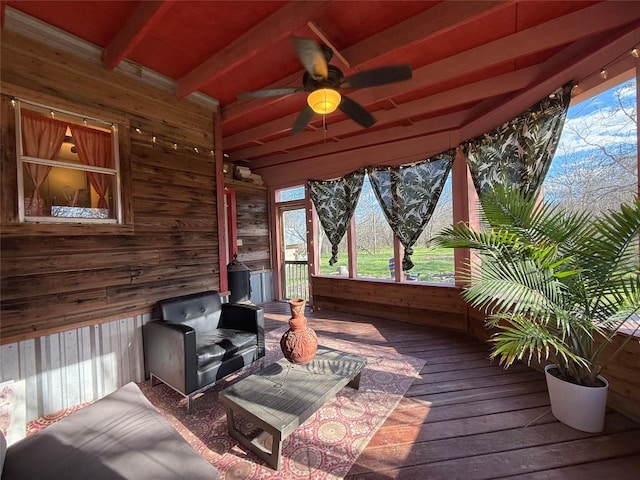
230,182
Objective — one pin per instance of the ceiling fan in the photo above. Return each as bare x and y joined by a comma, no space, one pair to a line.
323,82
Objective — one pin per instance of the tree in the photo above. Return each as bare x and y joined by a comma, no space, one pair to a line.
372,229
295,232
441,217
596,168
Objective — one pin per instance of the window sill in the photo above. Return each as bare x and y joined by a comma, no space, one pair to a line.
64,229
388,281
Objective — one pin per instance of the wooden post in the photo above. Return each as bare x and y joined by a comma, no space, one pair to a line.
313,256
638,124
352,251
276,249
219,172
465,208
398,253
232,222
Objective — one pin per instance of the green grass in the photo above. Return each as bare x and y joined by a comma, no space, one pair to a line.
431,263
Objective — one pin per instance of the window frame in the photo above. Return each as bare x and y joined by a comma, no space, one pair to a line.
21,159
398,249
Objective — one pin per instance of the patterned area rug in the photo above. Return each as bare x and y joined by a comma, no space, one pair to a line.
324,447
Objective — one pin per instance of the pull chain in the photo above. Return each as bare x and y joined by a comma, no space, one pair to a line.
324,127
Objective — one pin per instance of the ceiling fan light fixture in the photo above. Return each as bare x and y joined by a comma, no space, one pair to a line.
324,100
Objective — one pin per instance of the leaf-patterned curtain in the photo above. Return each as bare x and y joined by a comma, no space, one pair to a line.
519,152
335,202
409,194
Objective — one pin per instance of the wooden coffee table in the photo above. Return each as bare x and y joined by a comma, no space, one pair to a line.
280,397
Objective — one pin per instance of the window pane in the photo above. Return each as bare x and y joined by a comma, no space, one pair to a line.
595,166
294,227
435,265
342,267
374,238
288,194
67,193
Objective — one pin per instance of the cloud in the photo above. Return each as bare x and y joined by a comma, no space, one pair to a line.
600,122
628,90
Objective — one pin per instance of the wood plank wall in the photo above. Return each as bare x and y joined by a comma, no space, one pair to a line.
56,278
421,304
623,375
252,212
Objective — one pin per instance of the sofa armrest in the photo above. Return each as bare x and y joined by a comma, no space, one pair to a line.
249,318
170,354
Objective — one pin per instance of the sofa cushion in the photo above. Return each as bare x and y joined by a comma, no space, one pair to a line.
3,451
223,343
121,436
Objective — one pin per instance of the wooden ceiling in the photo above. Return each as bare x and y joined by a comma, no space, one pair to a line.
475,65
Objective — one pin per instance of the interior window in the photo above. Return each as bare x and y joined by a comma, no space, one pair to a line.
68,167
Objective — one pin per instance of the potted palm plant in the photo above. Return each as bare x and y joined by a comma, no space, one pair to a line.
558,286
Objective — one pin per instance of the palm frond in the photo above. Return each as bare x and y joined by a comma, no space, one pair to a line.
518,286
552,280
521,339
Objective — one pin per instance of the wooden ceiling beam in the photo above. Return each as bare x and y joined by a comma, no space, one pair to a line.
240,108
575,62
560,31
500,85
594,85
315,28
420,28
433,21
393,153
274,28
418,129
579,61
143,18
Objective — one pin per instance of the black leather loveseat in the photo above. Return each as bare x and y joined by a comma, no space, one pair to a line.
197,340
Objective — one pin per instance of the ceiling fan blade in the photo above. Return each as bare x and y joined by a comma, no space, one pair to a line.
312,57
302,120
356,112
378,76
270,92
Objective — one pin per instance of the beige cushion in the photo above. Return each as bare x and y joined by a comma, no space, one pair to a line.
121,436
3,451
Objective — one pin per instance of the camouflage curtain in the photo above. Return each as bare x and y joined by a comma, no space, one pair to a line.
519,152
335,202
409,194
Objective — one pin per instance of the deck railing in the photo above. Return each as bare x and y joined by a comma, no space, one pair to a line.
296,274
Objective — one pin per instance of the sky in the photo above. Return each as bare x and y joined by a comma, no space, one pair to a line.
601,119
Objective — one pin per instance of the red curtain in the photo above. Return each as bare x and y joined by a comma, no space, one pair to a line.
42,137
95,149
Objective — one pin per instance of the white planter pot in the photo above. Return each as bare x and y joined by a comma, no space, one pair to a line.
582,408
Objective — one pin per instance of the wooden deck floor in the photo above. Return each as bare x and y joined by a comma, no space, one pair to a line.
466,418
